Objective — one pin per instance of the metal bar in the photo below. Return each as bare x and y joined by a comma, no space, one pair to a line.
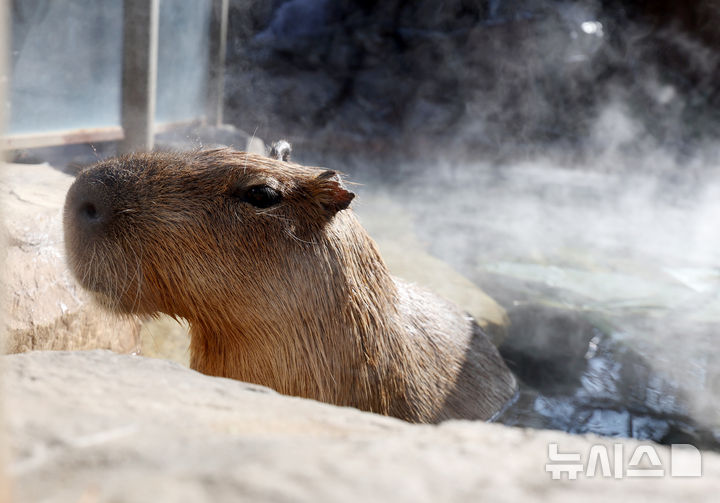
4,64
4,84
218,50
139,75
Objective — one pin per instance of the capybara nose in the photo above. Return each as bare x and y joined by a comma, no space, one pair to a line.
88,207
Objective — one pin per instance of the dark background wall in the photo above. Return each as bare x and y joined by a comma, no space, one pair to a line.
499,77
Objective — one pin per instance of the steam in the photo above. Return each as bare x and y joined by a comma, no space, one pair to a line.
607,205
627,234
561,154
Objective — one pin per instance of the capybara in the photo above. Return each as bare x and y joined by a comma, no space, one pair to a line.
279,282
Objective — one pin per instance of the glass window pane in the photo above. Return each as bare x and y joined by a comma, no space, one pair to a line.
66,65
182,60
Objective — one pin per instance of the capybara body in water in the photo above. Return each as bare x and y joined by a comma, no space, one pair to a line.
280,284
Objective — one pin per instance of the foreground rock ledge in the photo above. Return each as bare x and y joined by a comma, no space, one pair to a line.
97,426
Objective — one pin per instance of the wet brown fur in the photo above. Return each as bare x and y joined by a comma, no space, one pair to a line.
295,296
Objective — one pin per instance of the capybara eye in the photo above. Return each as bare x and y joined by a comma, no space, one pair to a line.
262,196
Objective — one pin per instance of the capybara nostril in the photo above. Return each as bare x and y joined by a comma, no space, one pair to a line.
85,209
91,213
88,211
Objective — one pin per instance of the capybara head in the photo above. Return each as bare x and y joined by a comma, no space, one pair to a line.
279,282
181,232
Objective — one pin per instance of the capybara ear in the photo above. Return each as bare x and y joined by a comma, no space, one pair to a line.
280,151
327,189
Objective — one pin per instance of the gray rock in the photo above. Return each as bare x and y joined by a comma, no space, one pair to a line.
97,426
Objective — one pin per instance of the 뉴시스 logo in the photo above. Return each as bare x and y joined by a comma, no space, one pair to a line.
642,460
